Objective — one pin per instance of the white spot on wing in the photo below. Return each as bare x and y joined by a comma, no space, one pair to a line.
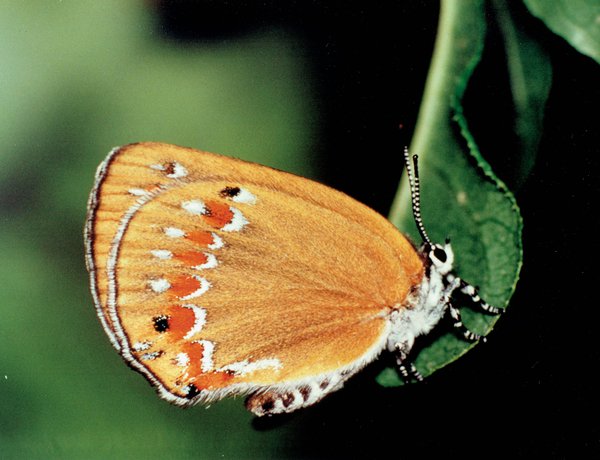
151,356
217,242
162,254
159,285
207,353
138,192
182,359
195,207
141,346
199,321
245,367
245,196
211,262
204,286
173,232
238,221
178,171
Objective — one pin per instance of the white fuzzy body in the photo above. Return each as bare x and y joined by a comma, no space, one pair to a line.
421,314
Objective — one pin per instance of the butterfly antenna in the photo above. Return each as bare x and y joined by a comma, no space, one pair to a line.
415,193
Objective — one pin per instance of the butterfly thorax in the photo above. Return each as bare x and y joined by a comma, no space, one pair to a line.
426,305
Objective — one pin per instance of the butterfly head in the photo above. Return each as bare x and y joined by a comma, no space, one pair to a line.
441,256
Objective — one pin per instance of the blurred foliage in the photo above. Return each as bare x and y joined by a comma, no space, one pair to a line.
78,78
577,21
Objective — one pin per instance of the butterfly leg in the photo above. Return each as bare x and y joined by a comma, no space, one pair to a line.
453,283
406,368
472,294
289,399
458,324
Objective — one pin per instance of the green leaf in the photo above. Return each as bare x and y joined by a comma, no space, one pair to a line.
577,21
461,196
530,74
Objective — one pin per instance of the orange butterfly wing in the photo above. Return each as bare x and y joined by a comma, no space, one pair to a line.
215,276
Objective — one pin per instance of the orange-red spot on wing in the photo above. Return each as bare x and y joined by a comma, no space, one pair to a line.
203,380
218,215
192,258
195,351
204,239
212,380
181,320
182,285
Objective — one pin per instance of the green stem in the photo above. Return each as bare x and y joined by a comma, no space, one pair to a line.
448,62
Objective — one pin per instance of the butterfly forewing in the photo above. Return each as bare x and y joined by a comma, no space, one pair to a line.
217,276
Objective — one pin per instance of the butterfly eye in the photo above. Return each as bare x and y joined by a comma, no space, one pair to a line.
440,254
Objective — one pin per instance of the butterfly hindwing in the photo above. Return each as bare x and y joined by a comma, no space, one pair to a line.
215,276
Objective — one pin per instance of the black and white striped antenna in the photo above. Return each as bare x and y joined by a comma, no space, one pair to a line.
415,193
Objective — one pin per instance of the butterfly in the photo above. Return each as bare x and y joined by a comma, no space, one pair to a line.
212,277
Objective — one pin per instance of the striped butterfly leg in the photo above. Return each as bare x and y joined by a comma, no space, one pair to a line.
452,284
294,397
467,334
470,295
406,367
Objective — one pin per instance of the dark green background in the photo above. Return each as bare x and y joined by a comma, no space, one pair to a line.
313,88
